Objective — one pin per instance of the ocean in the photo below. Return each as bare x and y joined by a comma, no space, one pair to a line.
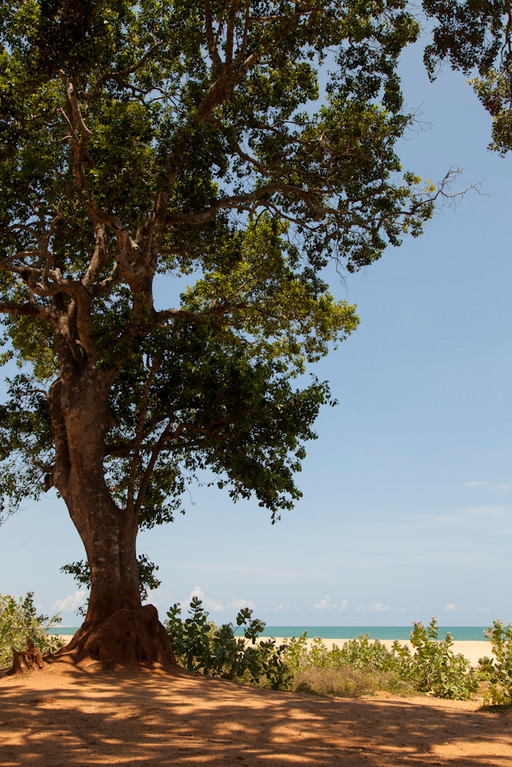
459,633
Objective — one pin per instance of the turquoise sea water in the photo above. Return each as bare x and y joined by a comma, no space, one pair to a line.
459,633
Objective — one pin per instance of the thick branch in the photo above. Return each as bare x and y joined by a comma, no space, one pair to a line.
212,43
99,257
241,201
219,310
27,310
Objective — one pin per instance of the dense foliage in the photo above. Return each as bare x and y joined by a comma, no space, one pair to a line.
434,666
201,646
166,139
18,620
497,670
474,37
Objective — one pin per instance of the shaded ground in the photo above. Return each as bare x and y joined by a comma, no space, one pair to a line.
64,717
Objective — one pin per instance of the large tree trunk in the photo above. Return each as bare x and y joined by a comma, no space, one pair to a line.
117,629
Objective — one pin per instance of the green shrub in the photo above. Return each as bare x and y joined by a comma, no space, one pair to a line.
434,668
361,666
201,646
497,671
19,619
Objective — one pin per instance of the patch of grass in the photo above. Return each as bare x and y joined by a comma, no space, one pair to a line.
347,682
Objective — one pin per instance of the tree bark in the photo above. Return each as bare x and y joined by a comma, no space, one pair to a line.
117,629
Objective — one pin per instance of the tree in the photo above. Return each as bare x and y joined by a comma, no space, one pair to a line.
475,37
155,141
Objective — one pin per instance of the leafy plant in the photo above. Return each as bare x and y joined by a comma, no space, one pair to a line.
361,666
497,671
19,620
434,667
202,646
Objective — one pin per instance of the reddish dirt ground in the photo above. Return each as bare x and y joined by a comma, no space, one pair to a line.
69,717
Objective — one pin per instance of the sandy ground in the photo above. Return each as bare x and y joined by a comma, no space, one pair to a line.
66,717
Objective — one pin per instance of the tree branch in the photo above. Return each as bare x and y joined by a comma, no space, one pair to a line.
130,498
99,257
155,453
219,310
28,309
212,43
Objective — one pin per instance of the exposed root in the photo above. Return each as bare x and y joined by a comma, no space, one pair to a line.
26,660
127,637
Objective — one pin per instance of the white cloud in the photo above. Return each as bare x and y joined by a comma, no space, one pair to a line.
196,592
326,604
490,485
208,602
323,604
279,609
378,607
161,597
213,605
71,602
489,511
450,607
239,604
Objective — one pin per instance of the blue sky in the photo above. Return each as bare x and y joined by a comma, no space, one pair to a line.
407,506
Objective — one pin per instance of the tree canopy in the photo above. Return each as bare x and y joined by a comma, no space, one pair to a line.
235,146
475,37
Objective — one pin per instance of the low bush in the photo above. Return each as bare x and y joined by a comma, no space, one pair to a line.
361,666
19,620
434,668
497,671
202,646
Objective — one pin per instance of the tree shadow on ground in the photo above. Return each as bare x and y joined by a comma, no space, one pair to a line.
143,718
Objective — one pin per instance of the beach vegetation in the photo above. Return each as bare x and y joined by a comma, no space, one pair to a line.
172,193
20,620
434,667
431,667
202,646
360,666
496,671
